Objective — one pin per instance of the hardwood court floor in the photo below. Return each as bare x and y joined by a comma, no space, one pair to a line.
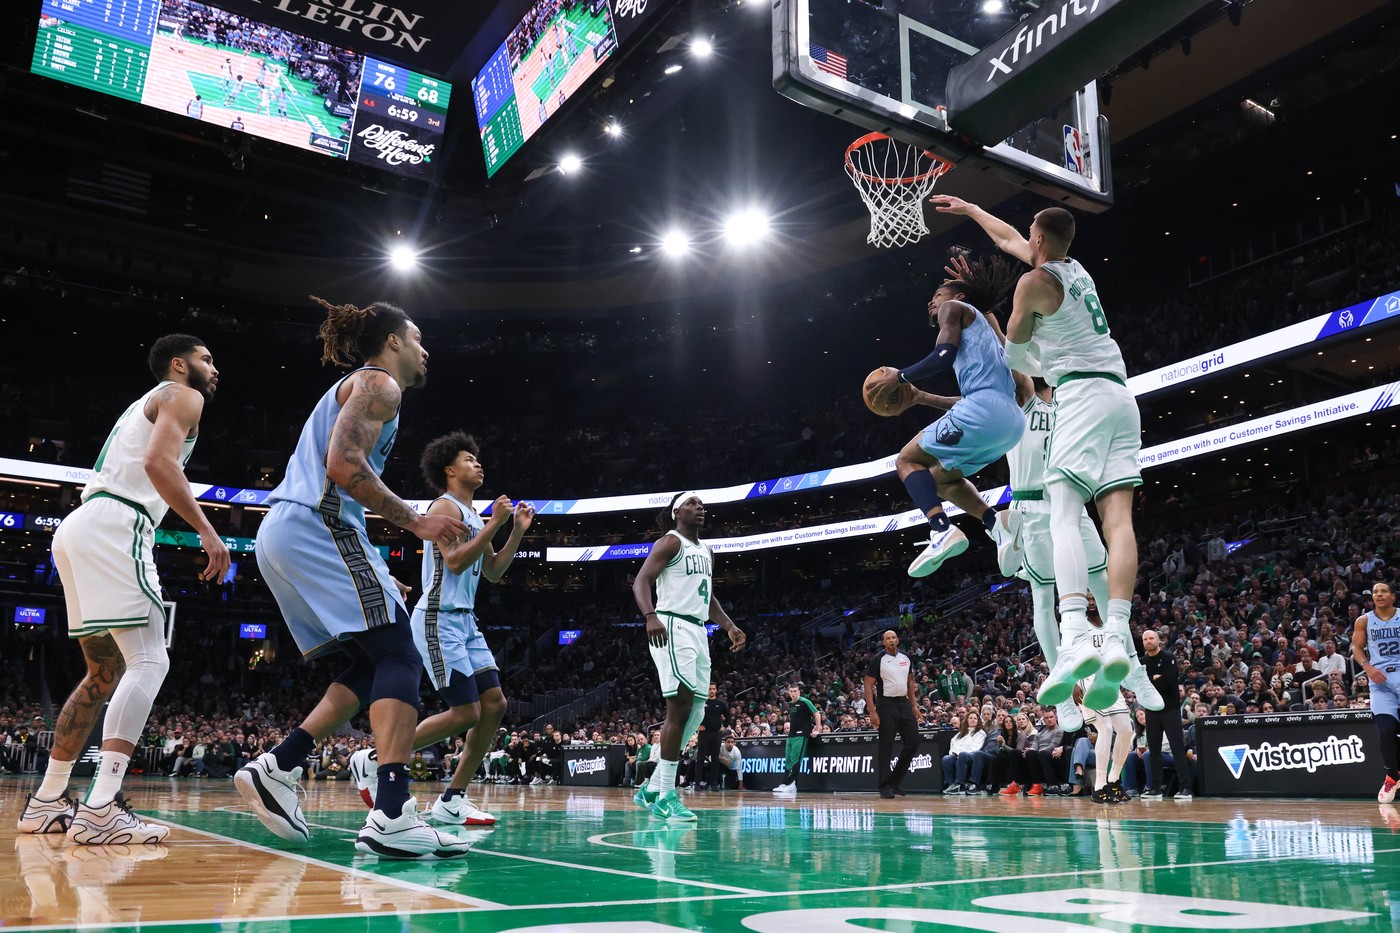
587,860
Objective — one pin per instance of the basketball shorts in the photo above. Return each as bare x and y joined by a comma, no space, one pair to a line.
449,640
1385,698
1040,547
328,580
685,661
978,430
1096,437
105,557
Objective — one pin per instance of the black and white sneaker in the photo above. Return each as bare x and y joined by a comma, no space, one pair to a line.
47,816
407,837
274,796
113,824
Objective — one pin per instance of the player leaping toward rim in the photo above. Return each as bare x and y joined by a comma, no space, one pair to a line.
1058,330
681,567
978,430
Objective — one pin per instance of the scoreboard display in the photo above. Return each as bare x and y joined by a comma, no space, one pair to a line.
545,60
217,67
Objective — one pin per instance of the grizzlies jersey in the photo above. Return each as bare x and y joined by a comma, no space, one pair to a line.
981,361
442,589
1383,640
1076,338
683,586
1026,461
306,482
121,466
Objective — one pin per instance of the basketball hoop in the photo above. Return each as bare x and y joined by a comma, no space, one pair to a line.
893,179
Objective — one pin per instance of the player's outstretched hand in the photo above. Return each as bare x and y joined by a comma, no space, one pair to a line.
403,588
877,388
950,205
524,515
737,639
442,530
217,568
958,268
656,632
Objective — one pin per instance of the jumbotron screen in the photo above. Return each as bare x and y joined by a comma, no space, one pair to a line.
221,68
552,53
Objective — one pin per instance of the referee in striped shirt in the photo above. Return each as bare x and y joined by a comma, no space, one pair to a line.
894,709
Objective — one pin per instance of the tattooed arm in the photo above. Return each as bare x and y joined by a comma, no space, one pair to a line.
372,402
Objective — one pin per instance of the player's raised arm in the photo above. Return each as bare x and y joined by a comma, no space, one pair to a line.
178,409
497,561
662,553
462,553
373,401
1005,236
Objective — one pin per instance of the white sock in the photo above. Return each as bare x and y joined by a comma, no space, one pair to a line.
108,779
55,779
1119,611
1072,624
663,779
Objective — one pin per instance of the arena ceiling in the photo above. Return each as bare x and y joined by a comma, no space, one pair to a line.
697,143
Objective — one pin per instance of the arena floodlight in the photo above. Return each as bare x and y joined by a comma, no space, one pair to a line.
993,7
675,242
701,47
613,128
570,162
672,69
403,258
746,227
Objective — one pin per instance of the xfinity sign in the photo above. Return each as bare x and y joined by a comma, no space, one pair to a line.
1285,756
1049,55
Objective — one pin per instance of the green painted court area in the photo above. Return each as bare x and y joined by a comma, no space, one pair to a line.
599,865
581,30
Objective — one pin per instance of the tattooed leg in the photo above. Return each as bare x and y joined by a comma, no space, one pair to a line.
80,710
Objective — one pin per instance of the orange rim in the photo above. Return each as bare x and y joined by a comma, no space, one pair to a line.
940,164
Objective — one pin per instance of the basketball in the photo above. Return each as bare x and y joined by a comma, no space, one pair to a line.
894,400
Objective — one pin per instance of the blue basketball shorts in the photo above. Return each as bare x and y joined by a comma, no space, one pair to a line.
449,640
975,432
329,582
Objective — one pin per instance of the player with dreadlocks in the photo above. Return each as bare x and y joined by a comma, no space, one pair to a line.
979,427
334,588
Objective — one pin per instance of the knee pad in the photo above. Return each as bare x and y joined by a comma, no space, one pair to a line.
398,668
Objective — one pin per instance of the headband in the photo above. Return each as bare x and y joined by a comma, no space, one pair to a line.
684,496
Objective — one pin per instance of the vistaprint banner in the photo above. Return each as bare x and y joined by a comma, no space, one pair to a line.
1327,754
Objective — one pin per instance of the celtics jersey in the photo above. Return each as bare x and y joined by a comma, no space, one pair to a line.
1076,338
121,466
683,587
1026,461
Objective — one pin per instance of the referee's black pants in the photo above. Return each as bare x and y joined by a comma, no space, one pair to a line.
707,757
896,716
1167,722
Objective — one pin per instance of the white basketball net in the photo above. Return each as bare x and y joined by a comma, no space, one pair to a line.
893,179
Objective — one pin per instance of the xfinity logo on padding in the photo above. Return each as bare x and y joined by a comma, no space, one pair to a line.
1286,757
1033,34
588,766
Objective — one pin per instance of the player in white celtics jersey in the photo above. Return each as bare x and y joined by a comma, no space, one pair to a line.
104,553
1058,330
682,569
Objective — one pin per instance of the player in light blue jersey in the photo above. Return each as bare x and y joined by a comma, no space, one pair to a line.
985,423
445,627
334,588
1375,646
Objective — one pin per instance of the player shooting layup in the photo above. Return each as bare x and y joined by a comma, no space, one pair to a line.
1058,330
983,425
682,568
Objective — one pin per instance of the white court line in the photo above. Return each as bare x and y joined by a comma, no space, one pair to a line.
746,892
597,840
343,869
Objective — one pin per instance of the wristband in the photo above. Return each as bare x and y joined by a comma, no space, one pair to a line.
652,613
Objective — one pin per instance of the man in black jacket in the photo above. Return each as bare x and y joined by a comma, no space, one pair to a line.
1161,668
708,738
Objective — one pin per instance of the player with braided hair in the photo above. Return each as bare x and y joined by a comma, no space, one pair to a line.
334,588
979,427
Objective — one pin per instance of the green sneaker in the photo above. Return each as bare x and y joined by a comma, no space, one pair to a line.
670,808
645,798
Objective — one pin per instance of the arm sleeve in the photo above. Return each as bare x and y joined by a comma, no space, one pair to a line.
940,360
1020,357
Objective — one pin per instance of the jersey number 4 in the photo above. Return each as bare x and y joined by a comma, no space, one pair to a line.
705,592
